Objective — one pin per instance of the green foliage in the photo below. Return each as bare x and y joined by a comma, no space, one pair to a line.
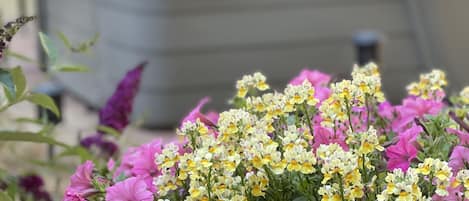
14,85
12,186
4,196
77,151
19,81
48,47
436,142
82,47
70,68
109,130
52,52
64,39
19,56
44,101
29,137
6,79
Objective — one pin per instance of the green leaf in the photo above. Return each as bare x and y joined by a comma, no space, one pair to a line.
19,56
29,120
109,130
44,101
48,47
421,156
19,80
4,196
6,80
71,68
47,129
120,177
86,45
77,151
64,40
82,47
53,165
12,190
302,198
10,98
29,137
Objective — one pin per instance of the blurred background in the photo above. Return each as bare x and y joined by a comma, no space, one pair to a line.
199,48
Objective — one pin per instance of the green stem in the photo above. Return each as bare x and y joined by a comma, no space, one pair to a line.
209,185
308,119
341,188
367,112
349,114
431,188
365,178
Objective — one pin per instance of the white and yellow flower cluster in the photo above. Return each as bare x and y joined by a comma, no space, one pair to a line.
254,81
402,186
462,178
364,142
363,90
429,86
368,80
299,94
440,171
465,95
342,178
284,144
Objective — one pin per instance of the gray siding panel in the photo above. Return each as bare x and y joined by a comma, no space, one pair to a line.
260,27
203,7
198,48
196,70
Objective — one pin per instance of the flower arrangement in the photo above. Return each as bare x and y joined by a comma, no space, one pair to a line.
315,140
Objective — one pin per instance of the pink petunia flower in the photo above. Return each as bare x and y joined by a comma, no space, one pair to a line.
80,182
212,116
131,189
462,135
414,107
70,196
315,77
126,164
326,136
140,161
459,158
110,164
386,110
410,135
207,119
318,79
322,93
400,155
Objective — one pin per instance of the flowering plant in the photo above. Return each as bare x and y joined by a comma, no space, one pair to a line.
113,117
314,140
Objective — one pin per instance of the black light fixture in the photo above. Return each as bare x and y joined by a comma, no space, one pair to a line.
367,47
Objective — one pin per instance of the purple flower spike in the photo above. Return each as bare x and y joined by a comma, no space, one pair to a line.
115,113
106,147
33,184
